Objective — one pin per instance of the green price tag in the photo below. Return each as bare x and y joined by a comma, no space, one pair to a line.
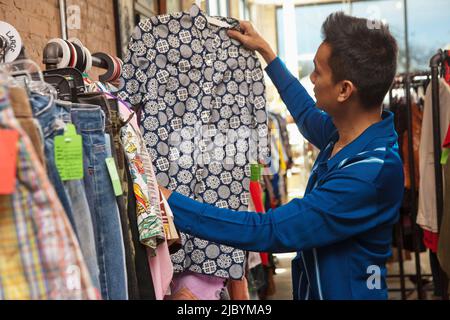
117,185
444,156
69,154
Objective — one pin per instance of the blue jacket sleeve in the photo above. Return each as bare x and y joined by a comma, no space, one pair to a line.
329,214
315,125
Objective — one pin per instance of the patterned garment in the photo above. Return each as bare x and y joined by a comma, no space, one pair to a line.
149,218
169,226
40,257
204,120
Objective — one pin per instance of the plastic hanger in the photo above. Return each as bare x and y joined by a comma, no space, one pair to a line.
74,78
27,74
62,86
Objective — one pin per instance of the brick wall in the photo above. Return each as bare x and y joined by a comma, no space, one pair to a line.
97,25
37,21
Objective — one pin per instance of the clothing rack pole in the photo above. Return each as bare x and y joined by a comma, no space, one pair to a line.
99,63
62,16
435,62
399,234
399,231
411,158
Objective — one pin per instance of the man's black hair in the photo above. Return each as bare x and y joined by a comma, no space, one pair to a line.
363,52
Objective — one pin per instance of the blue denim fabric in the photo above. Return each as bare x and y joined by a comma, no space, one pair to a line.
110,155
43,109
52,118
81,212
90,123
85,228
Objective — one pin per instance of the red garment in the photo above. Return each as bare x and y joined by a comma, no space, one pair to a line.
446,143
447,72
431,239
256,194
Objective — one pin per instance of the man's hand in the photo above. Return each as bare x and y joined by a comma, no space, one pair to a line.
166,192
252,40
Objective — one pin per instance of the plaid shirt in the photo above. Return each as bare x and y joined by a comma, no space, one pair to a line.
40,257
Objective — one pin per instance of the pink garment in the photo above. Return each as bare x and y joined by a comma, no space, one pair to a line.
200,287
162,270
125,113
160,265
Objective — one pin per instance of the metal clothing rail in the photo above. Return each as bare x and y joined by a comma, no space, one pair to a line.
435,64
406,81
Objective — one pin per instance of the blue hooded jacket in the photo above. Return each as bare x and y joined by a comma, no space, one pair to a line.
342,227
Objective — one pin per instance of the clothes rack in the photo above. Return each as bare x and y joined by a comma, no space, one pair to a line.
435,63
408,81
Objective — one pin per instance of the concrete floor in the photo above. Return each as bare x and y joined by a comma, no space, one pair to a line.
283,283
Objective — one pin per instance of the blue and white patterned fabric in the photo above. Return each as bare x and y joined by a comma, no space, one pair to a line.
204,120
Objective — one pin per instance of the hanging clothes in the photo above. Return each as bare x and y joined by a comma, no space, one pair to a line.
89,121
195,85
399,108
22,112
53,117
417,116
427,215
443,250
39,251
155,220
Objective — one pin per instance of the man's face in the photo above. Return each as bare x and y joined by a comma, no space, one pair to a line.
325,90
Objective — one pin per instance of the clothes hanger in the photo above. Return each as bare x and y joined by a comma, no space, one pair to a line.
62,86
212,20
73,76
27,74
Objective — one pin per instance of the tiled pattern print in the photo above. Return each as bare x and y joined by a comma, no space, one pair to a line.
204,120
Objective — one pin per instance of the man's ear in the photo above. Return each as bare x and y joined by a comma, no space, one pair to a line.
346,89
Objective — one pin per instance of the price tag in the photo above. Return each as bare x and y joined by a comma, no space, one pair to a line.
444,156
117,185
69,154
8,160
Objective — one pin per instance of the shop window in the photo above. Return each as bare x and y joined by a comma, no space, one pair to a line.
427,28
218,8
244,10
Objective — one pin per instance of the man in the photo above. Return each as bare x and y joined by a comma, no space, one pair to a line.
342,227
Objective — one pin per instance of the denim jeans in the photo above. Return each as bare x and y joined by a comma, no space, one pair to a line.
53,117
122,201
112,131
90,123
84,226
44,110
